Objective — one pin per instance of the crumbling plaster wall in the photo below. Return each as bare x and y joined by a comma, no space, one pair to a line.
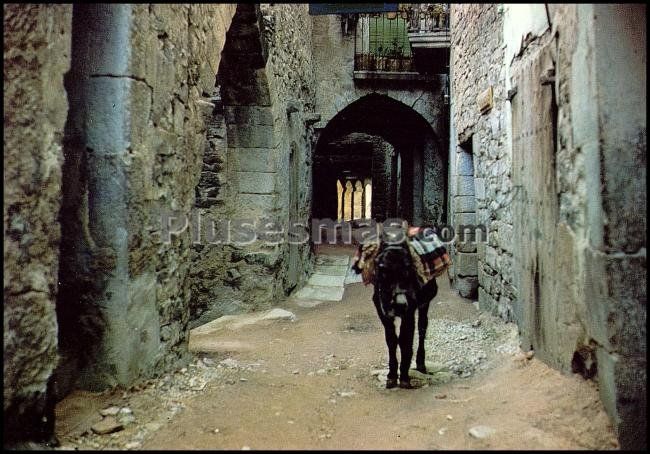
36,56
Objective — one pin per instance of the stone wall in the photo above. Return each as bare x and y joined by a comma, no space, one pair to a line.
260,142
585,310
36,56
336,88
134,143
179,106
292,81
563,227
382,153
480,184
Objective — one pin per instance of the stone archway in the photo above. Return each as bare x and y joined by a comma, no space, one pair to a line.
392,133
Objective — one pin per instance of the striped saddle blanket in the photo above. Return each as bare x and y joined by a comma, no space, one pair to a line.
429,254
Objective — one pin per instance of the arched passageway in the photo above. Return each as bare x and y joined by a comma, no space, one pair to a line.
384,143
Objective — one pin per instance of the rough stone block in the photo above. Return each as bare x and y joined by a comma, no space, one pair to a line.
139,130
255,160
250,136
464,204
485,279
464,164
332,270
246,86
503,261
626,279
623,385
256,182
253,115
486,302
464,219
624,194
491,257
320,293
506,237
480,249
469,245
479,188
464,185
504,308
326,280
466,264
467,286
616,301
255,205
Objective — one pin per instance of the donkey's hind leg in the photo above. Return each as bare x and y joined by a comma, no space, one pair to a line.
423,323
425,295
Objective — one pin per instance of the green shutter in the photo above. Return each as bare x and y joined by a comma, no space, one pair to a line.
387,36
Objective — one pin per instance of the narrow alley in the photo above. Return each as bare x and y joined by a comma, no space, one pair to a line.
316,381
220,221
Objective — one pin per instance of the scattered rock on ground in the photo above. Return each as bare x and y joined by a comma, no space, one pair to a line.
481,432
107,425
279,314
469,346
110,411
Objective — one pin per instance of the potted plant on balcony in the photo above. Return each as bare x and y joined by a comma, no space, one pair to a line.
380,60
394,56
371,61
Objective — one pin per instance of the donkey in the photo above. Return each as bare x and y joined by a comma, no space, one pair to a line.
397,295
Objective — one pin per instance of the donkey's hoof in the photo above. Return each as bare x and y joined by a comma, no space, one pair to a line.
406,384
391,383
422,369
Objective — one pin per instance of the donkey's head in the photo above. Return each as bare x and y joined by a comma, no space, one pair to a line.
394,265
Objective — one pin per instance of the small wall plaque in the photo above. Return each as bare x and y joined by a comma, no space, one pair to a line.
484,100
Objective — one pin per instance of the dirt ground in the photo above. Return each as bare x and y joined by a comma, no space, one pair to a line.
316,383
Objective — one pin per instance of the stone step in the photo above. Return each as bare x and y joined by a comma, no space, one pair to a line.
352,278
332,270
326,280
207,344
322,293
327,283
336,260
235,322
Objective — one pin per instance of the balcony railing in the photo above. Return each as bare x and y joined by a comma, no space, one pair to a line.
429,25
381,43
426,17
384,41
